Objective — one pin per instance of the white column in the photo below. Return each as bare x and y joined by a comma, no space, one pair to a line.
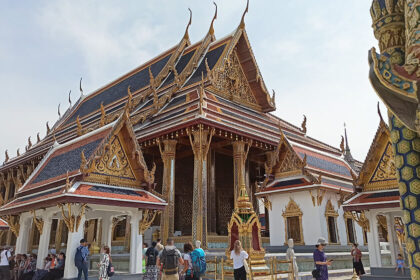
73,241
44,241
136,244
24,231
373,239
107,230
391,237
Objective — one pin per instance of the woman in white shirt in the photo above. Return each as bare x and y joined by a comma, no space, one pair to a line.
188,265
238,255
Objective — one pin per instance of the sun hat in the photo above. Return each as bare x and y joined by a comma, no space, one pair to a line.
321,241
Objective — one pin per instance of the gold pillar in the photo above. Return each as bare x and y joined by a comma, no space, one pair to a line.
168,188
239,159
200,140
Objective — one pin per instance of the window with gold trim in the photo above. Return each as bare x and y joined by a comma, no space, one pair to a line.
293,223
351,233
331,215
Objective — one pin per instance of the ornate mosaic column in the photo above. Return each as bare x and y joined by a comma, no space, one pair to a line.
168,188
200,140
406,144
239,159
394,74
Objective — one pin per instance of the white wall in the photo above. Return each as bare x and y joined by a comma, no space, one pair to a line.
314,223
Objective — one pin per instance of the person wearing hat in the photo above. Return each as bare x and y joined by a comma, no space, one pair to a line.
321,262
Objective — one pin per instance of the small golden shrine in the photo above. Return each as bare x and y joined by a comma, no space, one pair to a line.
245,226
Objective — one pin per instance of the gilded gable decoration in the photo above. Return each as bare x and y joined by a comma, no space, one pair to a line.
13,222
231,83
386,167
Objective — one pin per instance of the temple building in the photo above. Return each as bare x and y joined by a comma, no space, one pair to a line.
161,152
376,203
307,184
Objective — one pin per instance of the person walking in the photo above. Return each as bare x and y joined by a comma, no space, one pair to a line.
188,265
170,258
5,256
321,262
81,259
239,256
151,256
104,263
357,260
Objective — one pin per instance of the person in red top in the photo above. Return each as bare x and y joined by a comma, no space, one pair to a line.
357,260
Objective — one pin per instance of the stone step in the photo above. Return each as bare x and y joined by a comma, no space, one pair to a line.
388,271
384,277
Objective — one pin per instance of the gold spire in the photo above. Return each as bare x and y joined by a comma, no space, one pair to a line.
242,24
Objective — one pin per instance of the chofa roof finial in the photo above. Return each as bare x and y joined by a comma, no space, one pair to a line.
211,30
242,24
58,111
80,87
303,125
70,98
186,35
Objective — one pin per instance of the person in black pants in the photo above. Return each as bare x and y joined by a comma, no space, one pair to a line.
239,255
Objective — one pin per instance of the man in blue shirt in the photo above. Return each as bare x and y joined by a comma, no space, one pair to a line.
81,259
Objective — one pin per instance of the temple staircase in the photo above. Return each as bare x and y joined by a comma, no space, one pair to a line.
386,273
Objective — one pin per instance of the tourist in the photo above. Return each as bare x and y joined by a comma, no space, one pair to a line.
145,246
188,265
170,258
400,264
18,260
41,273
239,257
357,260
5,257
321,262
104,263
30,268
151,257
58,271
22,265
198,258
81,259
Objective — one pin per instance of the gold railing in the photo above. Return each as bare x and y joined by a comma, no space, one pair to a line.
221,268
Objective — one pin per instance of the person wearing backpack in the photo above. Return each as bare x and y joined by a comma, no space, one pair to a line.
5,256
81,259
151,256
170,258
198,258
188,265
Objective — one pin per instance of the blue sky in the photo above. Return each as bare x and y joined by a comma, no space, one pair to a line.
312,53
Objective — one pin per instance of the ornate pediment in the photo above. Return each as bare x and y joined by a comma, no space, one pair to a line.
288,164
114,161
230,82
385,170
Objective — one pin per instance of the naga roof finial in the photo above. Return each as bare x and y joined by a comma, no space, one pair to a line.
242,24
80,87
29,142
70,98
58,111
186,35
303,125
17,152
211,30
6,156
48,128
38,138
